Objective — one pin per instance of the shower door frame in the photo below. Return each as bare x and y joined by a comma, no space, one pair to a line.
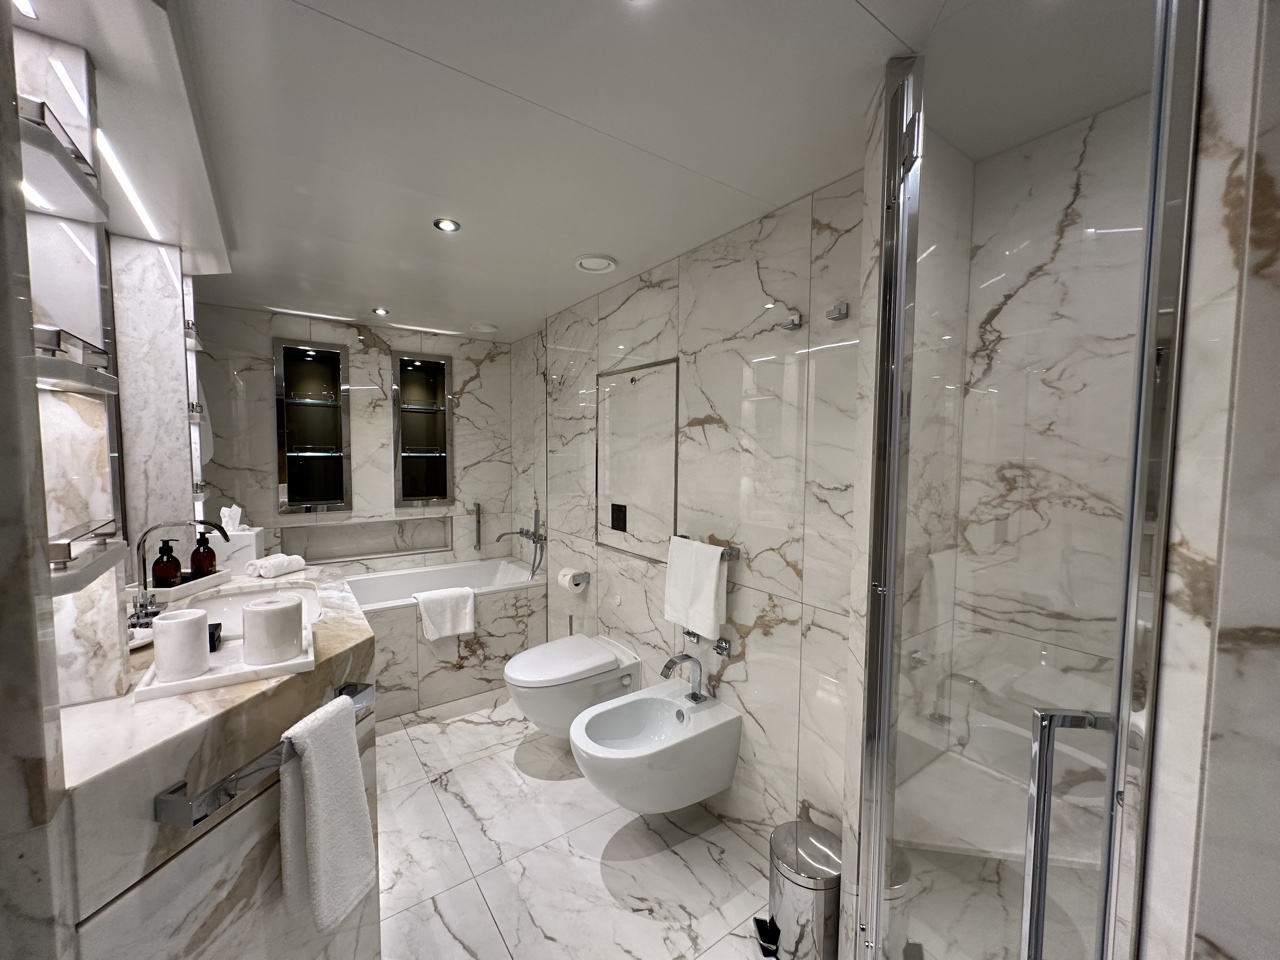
1176,95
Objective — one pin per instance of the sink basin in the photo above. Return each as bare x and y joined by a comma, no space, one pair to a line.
225,605
654,750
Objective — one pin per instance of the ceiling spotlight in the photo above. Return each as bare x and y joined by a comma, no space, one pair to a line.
483,328
381,311
595,263
445,225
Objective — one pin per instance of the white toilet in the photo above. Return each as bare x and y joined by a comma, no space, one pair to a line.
554,682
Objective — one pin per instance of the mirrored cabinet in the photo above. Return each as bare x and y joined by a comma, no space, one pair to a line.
423,429
313,427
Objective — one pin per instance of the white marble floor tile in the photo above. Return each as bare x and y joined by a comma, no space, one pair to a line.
418,855
444,742
739,944
456,925
506,804
398,763
653,888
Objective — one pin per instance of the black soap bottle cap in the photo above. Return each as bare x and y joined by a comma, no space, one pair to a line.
166,548
202,539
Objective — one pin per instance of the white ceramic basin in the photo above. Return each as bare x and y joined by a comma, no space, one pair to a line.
225,604
654,750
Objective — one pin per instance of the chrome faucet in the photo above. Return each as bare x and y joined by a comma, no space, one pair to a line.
145,607
534,536
695,682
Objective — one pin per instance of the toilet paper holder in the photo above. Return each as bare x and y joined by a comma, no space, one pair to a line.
580,579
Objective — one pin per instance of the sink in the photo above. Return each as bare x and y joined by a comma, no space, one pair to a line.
654,750
225,605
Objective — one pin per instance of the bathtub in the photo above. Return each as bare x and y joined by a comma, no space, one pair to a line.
413,673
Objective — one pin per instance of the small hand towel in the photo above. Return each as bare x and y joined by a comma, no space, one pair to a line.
697,583
326,837
276,565
448,612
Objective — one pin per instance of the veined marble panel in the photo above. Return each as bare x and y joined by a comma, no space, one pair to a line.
824,698
836,389
761,680
529,425
463,730
77,466
1055,299
576,554
454,667
743,396
639,317
418,856
571,420
396,635
92,637
456,925
631,593
636,465
328,541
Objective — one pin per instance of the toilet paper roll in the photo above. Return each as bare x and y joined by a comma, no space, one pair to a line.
273,629
181,644
565,579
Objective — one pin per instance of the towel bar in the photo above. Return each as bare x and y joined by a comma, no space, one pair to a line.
726,553
176,808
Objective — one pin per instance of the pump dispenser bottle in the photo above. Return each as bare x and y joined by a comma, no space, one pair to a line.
167,570
204,560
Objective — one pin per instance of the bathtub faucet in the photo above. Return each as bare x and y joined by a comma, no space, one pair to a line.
534,536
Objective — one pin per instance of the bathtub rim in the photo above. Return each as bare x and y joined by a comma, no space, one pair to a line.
539,581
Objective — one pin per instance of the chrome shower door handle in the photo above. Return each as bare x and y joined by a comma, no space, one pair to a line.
1044,733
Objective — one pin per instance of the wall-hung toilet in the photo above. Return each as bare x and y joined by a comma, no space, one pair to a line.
555,681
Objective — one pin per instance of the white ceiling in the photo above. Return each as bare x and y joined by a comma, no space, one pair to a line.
336,130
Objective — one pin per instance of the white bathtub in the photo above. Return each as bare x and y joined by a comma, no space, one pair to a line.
416,674
384,591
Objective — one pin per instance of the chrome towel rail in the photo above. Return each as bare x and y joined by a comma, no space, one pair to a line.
175,807
726,553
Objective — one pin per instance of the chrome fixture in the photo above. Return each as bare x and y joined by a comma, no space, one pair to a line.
145,607
478,514
794,321
446,225
692,635
534,536
941,716
595,263
839,312
695,693
722,647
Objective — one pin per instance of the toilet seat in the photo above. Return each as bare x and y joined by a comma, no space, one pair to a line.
575,657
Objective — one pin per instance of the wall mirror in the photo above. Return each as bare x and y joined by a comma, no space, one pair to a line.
313,427
636,457
423,429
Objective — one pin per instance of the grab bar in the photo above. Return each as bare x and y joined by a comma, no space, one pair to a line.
478,543
1045,727
176,808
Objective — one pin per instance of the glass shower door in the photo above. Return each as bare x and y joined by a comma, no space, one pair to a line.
1019,183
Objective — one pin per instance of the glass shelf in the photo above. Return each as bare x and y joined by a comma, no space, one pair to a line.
57,373
298,402
56,182
412,408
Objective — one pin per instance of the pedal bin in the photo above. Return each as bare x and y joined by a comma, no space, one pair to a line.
804,890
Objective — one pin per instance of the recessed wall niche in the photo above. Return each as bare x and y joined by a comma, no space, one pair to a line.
423,429
313,427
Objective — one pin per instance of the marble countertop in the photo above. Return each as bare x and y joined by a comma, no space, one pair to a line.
119,754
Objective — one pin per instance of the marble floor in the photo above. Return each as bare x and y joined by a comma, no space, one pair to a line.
494,847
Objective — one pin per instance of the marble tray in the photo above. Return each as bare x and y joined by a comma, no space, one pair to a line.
226,667
191,587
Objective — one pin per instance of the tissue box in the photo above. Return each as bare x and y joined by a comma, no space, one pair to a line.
245,545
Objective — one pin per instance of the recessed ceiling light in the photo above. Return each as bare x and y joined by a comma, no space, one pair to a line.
595,263
483,328
381,311
445,225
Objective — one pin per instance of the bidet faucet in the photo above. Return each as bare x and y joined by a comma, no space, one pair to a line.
695,682
145,607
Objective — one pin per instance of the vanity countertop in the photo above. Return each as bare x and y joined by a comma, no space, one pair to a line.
119,754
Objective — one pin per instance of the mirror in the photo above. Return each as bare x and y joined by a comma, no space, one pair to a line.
636,458
423,429
313,429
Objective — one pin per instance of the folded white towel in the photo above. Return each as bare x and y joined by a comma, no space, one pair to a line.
697,584
276,565
326,837
448,612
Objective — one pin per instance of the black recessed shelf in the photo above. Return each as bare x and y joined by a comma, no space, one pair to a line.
312,425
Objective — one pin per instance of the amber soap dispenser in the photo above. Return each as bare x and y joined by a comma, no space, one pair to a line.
204,560
167,570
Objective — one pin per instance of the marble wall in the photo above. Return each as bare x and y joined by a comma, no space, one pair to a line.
766,451
237,373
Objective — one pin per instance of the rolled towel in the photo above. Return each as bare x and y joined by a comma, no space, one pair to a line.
276,565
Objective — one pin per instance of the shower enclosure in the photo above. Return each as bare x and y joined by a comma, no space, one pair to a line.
1036,161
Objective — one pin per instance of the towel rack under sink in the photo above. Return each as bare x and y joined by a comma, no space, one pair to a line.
175,807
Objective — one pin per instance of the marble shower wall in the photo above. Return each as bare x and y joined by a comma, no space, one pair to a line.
768,450
237,371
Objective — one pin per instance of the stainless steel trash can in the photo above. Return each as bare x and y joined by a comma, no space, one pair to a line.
804,891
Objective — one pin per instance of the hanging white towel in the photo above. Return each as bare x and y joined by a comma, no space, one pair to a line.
697,581
276,565
326,837
447,612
